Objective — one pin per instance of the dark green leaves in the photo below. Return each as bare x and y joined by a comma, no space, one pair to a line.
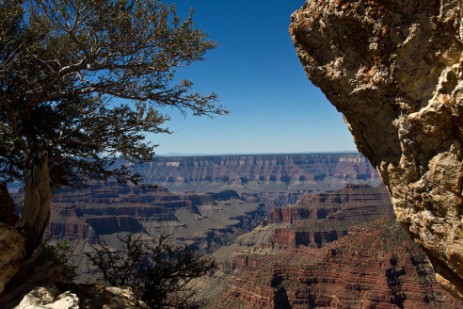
159,273
84,79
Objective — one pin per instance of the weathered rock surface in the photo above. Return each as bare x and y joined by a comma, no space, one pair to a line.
12,250
89,296
395,70
48,297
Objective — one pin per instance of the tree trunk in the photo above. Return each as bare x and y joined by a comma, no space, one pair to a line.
35,213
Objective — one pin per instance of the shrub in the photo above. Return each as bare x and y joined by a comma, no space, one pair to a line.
160,274
61,253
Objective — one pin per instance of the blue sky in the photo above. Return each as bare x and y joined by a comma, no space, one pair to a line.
273,106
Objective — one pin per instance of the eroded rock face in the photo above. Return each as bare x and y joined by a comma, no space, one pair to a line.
12,250
395,70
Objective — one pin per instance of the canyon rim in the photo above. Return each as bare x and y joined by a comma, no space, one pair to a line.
395,70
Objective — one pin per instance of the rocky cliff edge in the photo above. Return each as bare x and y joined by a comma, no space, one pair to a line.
394,69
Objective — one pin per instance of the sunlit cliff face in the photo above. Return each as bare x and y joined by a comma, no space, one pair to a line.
394,69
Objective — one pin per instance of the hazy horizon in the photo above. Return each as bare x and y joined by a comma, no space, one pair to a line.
255,153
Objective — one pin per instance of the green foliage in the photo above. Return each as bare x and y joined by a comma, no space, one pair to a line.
159,274
83,81
61,253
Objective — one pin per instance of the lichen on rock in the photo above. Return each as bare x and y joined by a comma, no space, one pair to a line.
395,70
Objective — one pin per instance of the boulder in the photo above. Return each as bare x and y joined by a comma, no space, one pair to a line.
12,250
48,297
84,296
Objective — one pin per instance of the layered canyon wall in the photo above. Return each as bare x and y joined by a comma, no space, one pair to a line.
375,266
272,168
394,69
317,219
102,210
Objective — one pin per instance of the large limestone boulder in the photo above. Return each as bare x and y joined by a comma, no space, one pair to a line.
394,68
12,253
87,296
48,297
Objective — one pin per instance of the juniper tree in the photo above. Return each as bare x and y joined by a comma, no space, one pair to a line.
82,82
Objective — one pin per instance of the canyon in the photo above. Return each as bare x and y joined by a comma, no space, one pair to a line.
314,220
299,230
186,208
287,231
394,69
104,212
337,249
245,187
100,211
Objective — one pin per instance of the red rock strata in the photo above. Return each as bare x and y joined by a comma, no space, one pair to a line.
321,218
107,208
375,266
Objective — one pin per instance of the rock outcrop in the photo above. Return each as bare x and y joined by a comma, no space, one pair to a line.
12,248
394,69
